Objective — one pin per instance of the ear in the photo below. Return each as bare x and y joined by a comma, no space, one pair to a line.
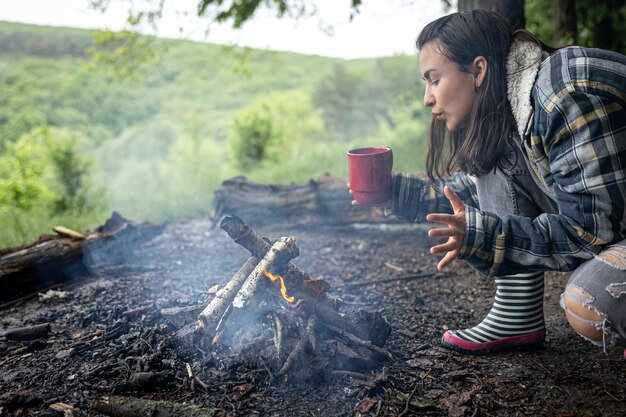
479,67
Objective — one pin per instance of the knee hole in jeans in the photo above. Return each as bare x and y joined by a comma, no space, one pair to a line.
583,318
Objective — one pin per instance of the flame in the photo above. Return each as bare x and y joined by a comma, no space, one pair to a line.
283,288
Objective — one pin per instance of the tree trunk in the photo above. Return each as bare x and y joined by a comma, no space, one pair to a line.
564,19
513,10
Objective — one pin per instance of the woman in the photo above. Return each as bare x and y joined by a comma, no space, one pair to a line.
536,138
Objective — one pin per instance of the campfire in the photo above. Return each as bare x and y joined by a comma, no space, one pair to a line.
272,313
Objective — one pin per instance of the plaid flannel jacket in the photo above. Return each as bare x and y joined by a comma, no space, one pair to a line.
575,142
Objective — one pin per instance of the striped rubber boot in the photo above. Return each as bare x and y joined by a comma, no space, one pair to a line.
515,320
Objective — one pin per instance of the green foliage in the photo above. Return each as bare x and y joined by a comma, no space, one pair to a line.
241,11
42,175
272,128
159,145
23,178
125,53
355,101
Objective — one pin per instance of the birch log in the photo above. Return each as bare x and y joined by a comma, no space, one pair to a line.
285,248
211,315
258,246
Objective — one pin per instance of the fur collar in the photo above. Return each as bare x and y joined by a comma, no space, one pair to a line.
522,66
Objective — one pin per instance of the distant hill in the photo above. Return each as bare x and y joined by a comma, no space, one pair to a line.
160,143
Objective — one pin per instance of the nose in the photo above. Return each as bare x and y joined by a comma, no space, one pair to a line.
429,98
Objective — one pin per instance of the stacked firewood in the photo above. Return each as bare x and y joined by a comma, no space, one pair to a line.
271,311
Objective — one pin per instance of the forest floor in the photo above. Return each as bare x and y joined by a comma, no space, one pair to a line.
96,341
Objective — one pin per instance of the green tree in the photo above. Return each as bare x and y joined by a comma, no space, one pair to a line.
272,128
43,174
23,178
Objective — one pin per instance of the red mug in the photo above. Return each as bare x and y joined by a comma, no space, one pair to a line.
369,172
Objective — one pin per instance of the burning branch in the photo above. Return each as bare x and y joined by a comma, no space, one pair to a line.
295,348
284,248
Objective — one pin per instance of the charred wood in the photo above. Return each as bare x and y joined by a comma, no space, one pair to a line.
69,255
358,341
36,331
307,338
145,381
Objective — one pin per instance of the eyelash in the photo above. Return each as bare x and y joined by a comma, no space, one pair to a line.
435,82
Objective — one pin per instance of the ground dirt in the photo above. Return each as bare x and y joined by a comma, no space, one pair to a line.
94,346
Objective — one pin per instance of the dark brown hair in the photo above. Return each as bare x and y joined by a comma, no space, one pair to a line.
484,143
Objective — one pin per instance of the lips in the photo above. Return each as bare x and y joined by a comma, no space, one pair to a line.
439,116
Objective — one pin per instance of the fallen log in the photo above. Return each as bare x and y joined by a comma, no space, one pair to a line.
322,201
69,255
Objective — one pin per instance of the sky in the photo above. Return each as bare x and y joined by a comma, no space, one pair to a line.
382,28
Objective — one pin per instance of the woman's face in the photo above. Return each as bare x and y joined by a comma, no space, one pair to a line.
450,92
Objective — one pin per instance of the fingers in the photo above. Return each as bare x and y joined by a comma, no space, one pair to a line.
445,247
447,232
454,232
450,256
451,220
455,201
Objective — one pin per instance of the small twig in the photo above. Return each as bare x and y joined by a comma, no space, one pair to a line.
394,267
134,311
379,407
354,375
278,336
305,338
408,402
202,383
476,376
393,279
357,340
539,363
612,396
36,331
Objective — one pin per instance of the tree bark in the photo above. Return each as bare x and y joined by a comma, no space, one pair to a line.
324,201
51,260
211,315
564,19
513,10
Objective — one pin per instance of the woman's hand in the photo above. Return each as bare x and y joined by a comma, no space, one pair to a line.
386,203
455,230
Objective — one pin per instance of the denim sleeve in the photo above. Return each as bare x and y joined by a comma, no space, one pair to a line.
413,198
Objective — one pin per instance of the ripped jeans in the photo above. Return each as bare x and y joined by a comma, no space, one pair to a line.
601,282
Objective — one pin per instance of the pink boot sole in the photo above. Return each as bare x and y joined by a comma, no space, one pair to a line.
524,341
